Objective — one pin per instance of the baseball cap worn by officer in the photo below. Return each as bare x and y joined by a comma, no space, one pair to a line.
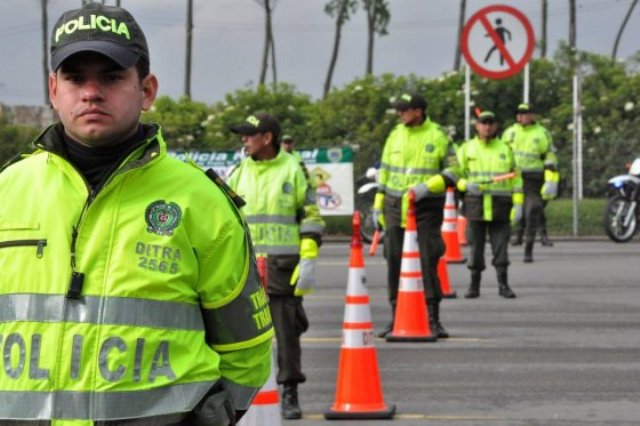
108,30
260,122
525,108
409,101
487,117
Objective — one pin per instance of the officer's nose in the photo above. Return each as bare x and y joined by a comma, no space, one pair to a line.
92,90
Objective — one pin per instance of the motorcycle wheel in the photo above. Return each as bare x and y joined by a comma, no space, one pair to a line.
616,210
364,204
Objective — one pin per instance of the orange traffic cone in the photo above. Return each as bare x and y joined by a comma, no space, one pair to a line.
443,277
411,322
358,390
462,230
450,230
265,408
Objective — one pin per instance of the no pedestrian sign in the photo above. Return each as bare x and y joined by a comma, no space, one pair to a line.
497,41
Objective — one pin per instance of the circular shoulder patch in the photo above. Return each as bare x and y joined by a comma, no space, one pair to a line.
162,218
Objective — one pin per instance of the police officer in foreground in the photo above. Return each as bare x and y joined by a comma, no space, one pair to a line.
129,292
414,157
491,200
286,228
536,159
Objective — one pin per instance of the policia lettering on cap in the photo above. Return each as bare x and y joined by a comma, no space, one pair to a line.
129,288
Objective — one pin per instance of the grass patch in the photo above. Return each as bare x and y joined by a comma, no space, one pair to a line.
559,218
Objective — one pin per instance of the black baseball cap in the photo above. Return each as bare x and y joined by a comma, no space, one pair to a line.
525,108
260,122
409,101
108,30
287,138
486,117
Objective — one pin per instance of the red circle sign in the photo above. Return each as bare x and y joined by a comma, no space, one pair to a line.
511,62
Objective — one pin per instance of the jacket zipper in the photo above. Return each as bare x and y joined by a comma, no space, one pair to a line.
40,244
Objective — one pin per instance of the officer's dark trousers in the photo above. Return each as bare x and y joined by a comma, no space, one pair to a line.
289,319
498,239
429,216
532,183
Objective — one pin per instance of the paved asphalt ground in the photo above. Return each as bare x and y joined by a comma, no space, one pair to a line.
566,351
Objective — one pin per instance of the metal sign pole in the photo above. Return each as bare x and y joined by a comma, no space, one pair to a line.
525,88
467,102
574,163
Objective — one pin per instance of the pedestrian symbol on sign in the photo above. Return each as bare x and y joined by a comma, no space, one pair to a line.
501,32
497,41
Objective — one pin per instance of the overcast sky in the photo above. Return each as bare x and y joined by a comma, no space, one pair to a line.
228,41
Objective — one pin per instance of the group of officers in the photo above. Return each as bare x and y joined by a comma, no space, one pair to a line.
503,181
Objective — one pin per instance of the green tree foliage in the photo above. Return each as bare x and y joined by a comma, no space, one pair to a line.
358,114
14,140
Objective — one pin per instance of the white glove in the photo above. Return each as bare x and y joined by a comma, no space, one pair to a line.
474,188
420,190
549,190
304,277
516,214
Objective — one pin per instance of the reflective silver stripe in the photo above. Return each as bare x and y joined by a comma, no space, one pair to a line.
242,395
409,170
97,310
311,228
526,154
532,169
228,324
265,218
394,192
102,405
277,250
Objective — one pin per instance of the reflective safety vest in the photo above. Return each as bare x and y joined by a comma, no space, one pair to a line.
281,204
128,303
479,162
532,147
411,155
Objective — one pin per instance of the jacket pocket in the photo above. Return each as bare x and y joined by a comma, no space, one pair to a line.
38,244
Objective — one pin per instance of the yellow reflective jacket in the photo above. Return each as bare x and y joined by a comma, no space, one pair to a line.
281,204
532,147
128,303
481,162
411,155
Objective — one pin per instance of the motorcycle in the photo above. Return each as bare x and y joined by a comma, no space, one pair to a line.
621,213
367,187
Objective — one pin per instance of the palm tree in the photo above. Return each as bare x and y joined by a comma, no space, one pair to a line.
621,30
269,45
543,29
378,17
342,10
572,25
189,41
461,16
45,50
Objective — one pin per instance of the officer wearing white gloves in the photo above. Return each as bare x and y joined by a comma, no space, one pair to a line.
286,227
491,201
414,158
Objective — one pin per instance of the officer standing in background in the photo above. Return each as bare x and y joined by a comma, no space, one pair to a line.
289,145
129,293
414,157
490,203
286,227
535,158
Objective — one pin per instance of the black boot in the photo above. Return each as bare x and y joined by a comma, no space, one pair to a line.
386,330
474,287
503,287
517,240
528,252
437,329
290,406
544,238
